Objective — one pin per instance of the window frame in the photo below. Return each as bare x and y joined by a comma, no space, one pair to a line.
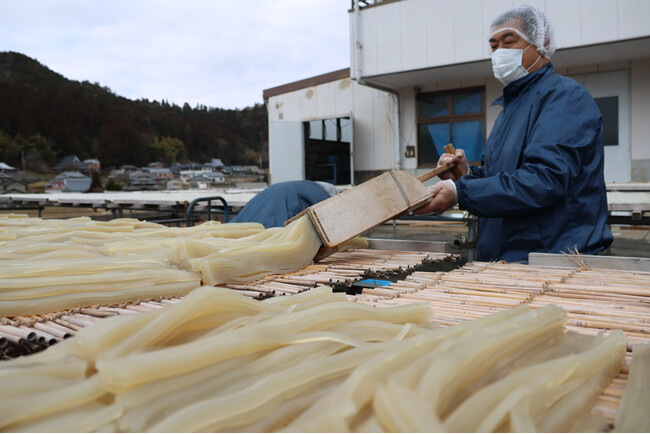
450,116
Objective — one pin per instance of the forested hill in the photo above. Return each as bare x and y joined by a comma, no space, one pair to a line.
47,116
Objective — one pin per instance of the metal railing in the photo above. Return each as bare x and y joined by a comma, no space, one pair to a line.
366,3
470,221
190,219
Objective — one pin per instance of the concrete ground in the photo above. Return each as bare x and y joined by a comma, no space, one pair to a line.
631,241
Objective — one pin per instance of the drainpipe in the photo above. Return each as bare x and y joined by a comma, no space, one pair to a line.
357,42
357,76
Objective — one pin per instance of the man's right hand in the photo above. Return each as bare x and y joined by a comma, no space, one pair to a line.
458,158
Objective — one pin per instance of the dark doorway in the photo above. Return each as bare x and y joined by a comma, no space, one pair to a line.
327,150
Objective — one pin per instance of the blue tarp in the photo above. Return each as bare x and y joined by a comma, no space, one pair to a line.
278,203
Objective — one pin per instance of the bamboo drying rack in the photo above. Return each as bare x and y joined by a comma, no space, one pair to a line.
597,301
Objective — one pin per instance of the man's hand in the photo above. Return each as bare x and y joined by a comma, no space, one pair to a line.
458,158
443,199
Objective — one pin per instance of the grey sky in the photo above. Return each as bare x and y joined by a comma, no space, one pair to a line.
218,53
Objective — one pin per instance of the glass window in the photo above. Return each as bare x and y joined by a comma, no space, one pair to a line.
468,136
467,102
433,105
346,130
459,119
609,110
316,130
331,130
433,137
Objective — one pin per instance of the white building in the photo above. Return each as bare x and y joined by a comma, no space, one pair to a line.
414,61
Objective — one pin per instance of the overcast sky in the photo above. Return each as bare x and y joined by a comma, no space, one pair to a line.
218,53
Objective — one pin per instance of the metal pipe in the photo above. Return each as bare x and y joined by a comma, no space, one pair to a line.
357,42
471,238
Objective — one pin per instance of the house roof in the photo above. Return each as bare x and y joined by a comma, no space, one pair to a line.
213,175
158,170
70,174
5,182
70,162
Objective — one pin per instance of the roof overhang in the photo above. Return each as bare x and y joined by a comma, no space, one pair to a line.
574,57
307,82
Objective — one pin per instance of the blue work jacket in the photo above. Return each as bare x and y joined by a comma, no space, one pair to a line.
540,187
278,203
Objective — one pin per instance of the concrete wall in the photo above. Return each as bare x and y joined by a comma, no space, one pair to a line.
326,100
639,120
419,34
375,131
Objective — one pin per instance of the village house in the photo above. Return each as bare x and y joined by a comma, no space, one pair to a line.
160,175
69,181
6,168
12,186
93,164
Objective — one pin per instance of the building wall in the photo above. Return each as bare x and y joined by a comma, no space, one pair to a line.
76,184
419,34
422,35
372,113
639,89
375,131
326,100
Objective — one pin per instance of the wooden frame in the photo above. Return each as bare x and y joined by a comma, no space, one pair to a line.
450,117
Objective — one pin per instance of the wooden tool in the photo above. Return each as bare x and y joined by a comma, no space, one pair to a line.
355,211
458,171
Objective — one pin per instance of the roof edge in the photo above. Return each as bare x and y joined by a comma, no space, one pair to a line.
307,82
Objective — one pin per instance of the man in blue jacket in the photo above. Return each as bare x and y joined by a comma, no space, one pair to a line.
540,187
278,203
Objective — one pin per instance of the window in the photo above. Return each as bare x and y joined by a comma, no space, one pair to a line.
331,130
456,117
327,150
609,110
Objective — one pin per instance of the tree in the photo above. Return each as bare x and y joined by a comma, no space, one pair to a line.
122,143
95,183
168,149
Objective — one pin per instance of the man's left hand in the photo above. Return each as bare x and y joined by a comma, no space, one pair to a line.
443,199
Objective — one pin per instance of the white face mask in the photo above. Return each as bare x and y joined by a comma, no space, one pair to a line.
506,64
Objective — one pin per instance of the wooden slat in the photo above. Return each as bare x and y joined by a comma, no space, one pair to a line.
591,261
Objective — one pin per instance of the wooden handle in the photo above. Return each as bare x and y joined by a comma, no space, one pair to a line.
458,171
435,172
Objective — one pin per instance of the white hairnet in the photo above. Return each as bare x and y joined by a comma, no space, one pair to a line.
531,24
